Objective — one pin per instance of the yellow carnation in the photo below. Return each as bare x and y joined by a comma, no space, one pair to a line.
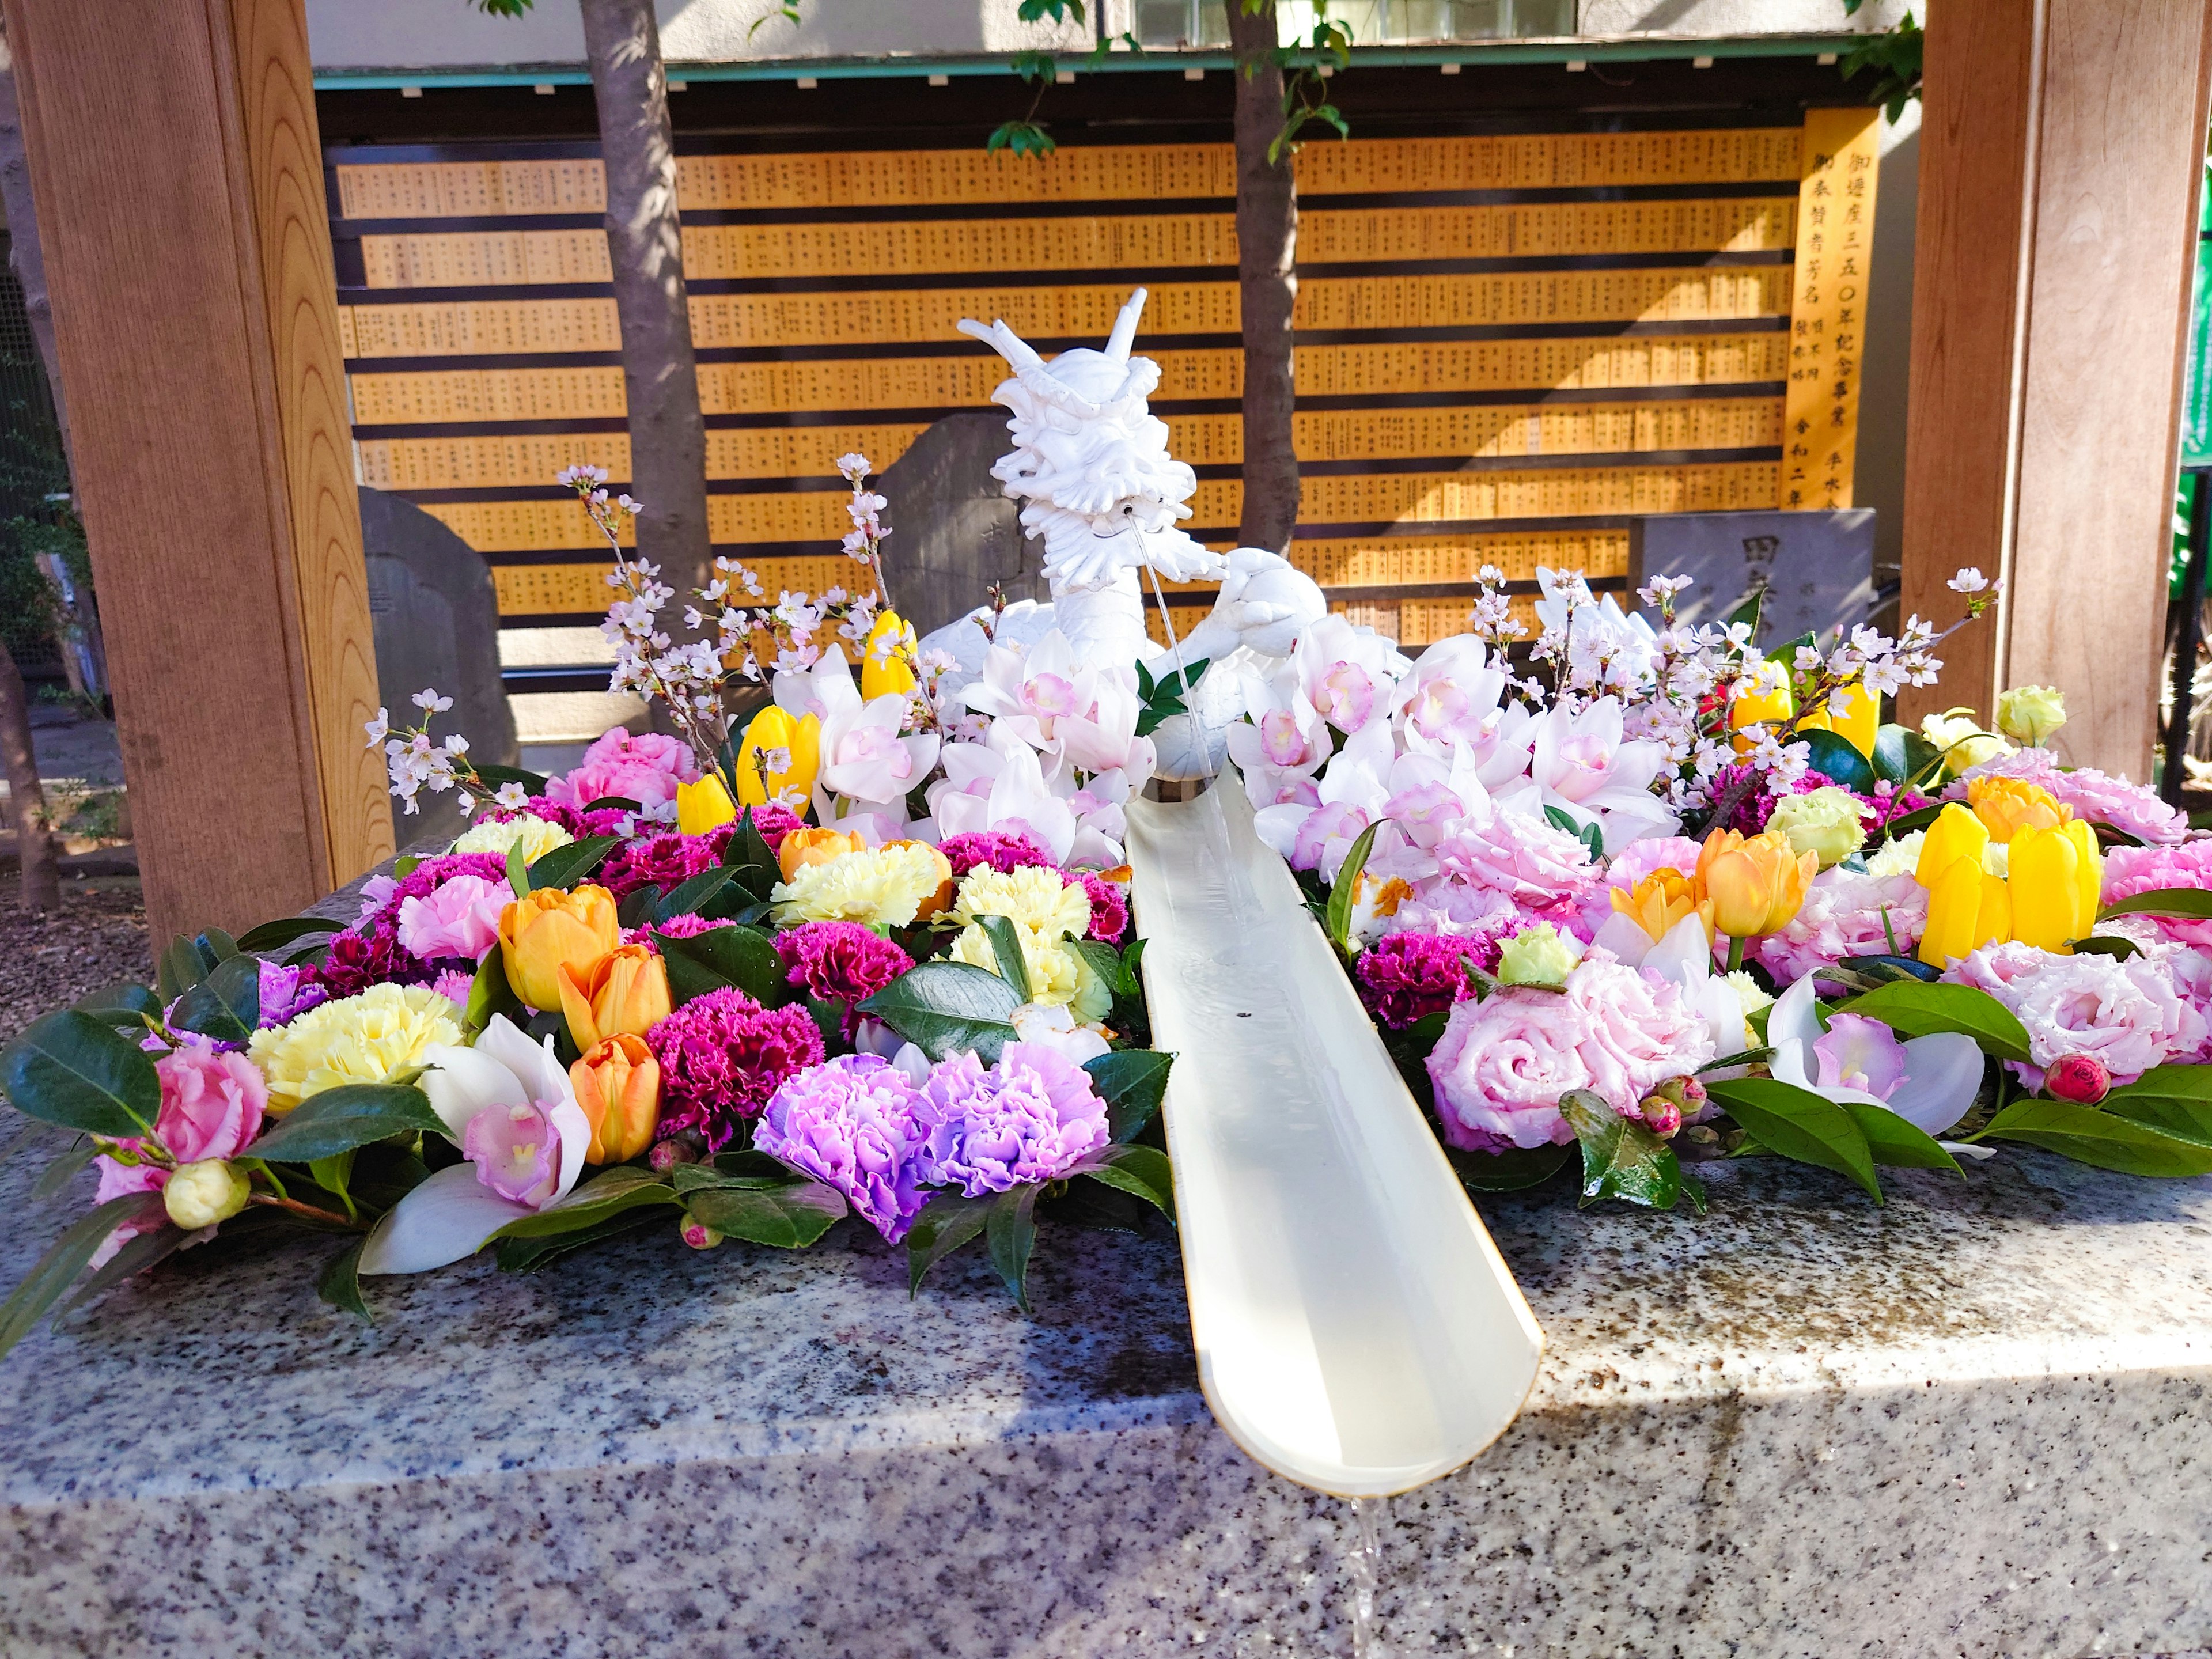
535,835
1038,899
363,1039
883,886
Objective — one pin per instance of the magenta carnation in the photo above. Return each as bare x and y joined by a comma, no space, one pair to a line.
665,861
1033,1116
356,961
840,961
774,821
607,821
1406,976
2132,870
685,926
721,1056
2094,795
851,1125
1109,910
1004,851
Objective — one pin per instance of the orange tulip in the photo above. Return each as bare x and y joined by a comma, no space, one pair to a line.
1755,885
617,1084
2008,805
623,994
941,901
807,846
1662,899
549,929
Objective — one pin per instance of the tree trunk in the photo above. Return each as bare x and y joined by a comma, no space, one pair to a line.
42,888
1267,284
645,243
24,256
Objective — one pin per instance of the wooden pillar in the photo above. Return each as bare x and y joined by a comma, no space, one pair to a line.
178,173
2062,149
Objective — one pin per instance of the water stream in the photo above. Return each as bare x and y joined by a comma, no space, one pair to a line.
1364,1563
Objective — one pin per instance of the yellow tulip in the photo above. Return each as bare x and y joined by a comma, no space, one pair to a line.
1764,700
1662,899
774,735
1967,909
1861,718
1755,885
2043,873
617,1084
885,669
704,805
2088,872
807,846
623,994
550,929
2008,805
1956,833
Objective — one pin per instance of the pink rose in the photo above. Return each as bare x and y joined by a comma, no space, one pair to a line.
1842,916
2132,870
1537,867
645,769
212,1104
2080,1078
1638,1031
459,918
1501,1067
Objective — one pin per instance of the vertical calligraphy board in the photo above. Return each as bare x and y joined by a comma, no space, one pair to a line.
1827,312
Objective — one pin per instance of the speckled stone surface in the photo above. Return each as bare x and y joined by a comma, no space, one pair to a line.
1975,1423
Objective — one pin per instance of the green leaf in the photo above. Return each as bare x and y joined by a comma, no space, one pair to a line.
63,1261
333,1173
64,1168
138,1253
564,866
2195,902
611,1191
946,1008
1131,981
1010,1233
339,1283
1624,1160
1903,757
2106,1140
1912,1009
1905,822
216,946
613,803
2118,949
637,907
692,897
518,874
71,1069
1344,894
1142,1171
1744,1057
338,1119
1834,757
1104,961
495,776
1007,949
747,853
1797,1124
226,1005
527,1255
275,935
1508,1171
789,1217
732,955
1133,1081
125,1004
404,866
2175,1100
947,1222
181,967
489,993
1896,1143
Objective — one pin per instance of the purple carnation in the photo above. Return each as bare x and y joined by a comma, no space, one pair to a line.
721,1056
1033,1116
851,1125
840,962
1406,976
1004,851
1109,910
665,862
287,993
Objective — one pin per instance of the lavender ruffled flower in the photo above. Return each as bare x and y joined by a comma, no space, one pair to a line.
1033,1116
851,1125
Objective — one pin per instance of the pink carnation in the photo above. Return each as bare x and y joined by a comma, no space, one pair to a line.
2126,1014
2094,795
645,768
1842,916
460,918
2132,870
1109,908
1004,851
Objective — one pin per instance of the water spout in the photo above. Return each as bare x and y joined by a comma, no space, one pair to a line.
1364,1564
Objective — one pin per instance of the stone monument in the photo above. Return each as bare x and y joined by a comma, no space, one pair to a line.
954,530
1815,568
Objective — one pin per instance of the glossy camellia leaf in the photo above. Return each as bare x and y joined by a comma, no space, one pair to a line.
226,1005
1914,1009
1833,756
944,1008
947,1222
123,1004
1009,1234
1141,1172
624,1186
339,1283
1896,1143
696,895
1007,949
564,866
2120,950
2193,902
489,993
613,803
76,1071
725,956
58,1267
2089,1134
1511,1170
495,776
1903,757
791,1216
1624,1160
180,967
747,853
339,1120
1799,1124
1905,822
1886,970
275,935
2176,1100
1133,1081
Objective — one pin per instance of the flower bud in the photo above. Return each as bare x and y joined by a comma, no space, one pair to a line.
2030,714
2080,1078
667,1154
1822,822
1537,955
699,1237
1661,1116
204,1194
548,930
617,1084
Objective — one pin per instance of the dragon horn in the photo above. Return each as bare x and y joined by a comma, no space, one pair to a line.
1125,328
1004,341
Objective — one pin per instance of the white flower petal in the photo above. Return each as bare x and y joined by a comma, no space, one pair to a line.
1942,1071
575,1131
448,1216
462,1082
541,1076
1792,1019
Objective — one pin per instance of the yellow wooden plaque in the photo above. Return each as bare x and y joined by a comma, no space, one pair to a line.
1827,319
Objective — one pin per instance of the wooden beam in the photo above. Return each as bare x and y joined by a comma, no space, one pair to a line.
176,169
2062,153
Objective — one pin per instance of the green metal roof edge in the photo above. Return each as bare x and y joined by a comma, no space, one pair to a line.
1639,49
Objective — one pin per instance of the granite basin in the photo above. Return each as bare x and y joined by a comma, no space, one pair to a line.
1973,1423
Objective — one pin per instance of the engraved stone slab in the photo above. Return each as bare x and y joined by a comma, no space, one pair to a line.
1816,568
953,531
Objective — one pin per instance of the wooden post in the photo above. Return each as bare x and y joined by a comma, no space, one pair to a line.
178,174
2062,149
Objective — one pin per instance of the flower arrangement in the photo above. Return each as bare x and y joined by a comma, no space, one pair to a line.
1665,898
869,956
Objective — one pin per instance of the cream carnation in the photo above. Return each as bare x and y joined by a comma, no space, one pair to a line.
881,886
534,835
1058,975
1039,899
361,1039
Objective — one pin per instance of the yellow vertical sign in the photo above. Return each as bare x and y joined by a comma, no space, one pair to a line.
1840,165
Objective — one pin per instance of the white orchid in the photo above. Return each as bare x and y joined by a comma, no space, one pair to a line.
508,1104
1929,1081
1350,674
1582,765
863,756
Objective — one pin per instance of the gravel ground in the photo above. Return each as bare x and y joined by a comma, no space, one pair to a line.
95,939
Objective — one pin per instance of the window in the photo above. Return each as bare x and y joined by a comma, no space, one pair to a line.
1182,22
1373,22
